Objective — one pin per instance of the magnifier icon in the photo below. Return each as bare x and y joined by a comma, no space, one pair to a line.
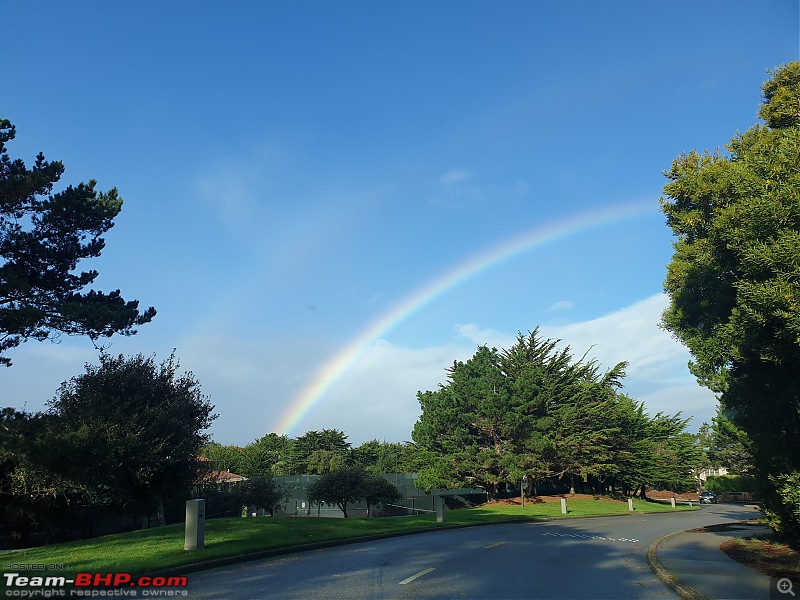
785,586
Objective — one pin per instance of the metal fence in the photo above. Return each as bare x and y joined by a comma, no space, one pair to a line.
415,501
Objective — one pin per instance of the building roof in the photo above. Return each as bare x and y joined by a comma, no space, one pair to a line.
211,475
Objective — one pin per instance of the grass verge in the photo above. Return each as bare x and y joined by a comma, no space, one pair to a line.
159,549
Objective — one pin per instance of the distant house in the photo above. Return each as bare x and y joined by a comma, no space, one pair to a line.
711,472
210,475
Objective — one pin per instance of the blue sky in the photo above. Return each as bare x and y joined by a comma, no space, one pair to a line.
294,172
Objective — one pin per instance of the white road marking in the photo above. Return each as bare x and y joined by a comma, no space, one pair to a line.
591,537
413,577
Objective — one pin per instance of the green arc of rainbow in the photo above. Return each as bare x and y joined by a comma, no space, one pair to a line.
333,370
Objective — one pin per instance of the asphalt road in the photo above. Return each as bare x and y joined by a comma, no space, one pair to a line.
590,558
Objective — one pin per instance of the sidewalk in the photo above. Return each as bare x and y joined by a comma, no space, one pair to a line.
696,561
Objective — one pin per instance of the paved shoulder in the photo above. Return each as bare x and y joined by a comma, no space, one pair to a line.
694,558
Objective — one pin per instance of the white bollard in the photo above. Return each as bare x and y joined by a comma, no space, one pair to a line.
440,508
672,502
194,538
630,504
563,506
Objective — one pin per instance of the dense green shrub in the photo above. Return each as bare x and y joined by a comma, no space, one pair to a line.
720,484
784,517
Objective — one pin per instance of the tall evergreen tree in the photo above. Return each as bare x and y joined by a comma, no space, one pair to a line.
469,426
534,410
734,282
725,445
43,237
585,428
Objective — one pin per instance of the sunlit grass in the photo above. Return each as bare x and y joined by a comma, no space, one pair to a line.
153,550
549,510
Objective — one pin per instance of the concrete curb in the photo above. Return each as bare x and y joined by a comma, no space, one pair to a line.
666,576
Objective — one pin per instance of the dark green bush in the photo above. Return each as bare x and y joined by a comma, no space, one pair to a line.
730,483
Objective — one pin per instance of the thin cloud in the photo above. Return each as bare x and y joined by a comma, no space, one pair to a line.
237,189
561,305
631,334
481,336
232,199
460,191
454,176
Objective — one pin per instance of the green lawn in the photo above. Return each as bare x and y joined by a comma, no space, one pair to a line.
157,549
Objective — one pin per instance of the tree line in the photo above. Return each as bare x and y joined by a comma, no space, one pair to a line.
124,438
348,474
313,453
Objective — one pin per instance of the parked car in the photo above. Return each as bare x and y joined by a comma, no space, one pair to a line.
708,498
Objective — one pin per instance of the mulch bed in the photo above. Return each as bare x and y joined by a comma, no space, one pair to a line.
557,498
654,494
775,560
737,526
666,495
763,555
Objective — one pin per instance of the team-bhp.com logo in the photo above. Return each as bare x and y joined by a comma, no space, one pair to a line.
93,585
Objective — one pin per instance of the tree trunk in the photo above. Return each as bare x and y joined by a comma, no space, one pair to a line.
491,489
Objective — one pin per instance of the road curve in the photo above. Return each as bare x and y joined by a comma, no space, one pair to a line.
590,558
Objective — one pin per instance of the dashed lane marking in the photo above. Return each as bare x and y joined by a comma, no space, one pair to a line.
418,575
495,544
581,536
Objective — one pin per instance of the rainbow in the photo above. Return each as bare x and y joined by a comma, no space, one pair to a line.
333,370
